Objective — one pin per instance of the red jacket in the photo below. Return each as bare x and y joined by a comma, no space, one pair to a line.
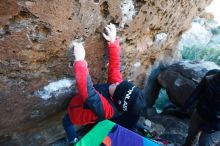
89,105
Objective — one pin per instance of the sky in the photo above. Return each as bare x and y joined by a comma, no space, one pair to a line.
214,8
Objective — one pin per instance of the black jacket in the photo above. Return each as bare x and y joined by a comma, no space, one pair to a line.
208,95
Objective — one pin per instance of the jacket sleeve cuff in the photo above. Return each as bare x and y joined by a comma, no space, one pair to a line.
114,44
81,63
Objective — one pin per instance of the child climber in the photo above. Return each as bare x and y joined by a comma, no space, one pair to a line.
118,100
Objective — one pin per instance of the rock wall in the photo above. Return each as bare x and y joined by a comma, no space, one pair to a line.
34,39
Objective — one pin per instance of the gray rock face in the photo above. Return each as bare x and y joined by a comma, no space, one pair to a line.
203,34
198,36
180,79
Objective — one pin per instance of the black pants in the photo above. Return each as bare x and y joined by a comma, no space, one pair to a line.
195,132
126,120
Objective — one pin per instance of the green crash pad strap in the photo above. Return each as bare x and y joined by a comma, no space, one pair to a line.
96,136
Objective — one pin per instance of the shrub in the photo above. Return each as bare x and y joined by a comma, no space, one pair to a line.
207,54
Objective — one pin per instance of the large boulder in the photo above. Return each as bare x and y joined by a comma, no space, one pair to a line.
198,36
36,78
181,78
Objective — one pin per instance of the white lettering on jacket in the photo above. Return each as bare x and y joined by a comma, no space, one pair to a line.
127,97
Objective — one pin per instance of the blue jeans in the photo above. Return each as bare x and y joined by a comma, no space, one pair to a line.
69,128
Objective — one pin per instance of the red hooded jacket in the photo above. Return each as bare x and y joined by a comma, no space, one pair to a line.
90,105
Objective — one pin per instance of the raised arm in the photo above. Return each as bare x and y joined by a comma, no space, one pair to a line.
91,98
114,74
81,70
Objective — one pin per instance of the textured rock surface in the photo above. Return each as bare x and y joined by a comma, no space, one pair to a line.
34,38
174,129
171,128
